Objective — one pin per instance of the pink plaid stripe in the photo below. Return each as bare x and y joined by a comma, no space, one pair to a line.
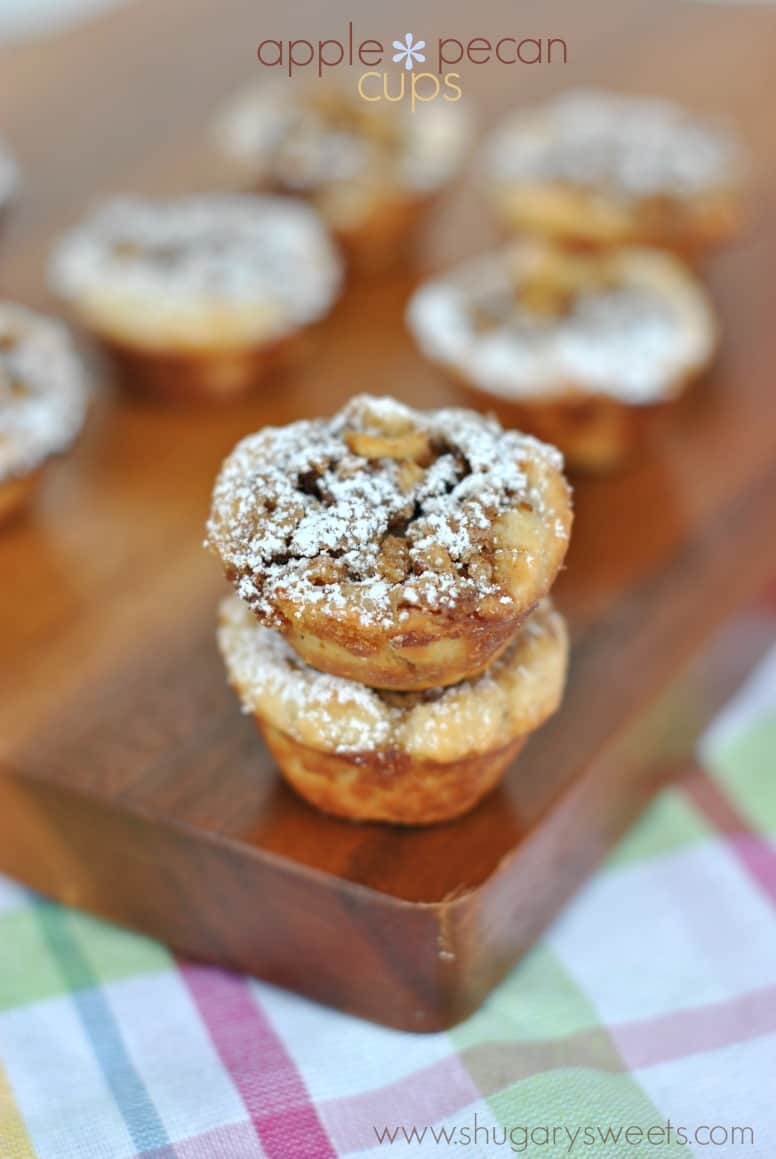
694,1031
756,854
261,1068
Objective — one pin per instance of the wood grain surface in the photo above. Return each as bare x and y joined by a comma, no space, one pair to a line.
129,782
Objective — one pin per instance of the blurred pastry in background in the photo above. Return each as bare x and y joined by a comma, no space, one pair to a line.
577,348
9,179
598,169
408,757
44,395
371,169
199,297
399,548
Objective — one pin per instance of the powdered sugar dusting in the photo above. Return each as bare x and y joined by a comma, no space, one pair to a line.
346,715
632,146
211,251
302,519
634,337
43,392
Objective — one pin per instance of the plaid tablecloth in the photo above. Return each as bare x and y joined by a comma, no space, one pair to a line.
644,1024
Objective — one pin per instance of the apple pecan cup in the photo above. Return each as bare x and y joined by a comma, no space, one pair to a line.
394,547
408,757
370,168
599,169
200,297
43,401
580,349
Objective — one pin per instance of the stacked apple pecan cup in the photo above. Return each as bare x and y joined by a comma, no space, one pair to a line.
391,630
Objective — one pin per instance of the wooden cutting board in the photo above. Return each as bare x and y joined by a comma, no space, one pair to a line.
129,782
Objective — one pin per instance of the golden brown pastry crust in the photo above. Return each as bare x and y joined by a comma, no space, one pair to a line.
410,757
393,547
388,786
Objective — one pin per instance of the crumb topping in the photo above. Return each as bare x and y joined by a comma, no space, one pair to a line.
312,138
376,511
515,694
533,322
9,174
43,392
630,146
218,254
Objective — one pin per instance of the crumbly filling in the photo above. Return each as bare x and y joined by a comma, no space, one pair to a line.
322,137
43,393
636,147
376,511
536,322
516,692
210,251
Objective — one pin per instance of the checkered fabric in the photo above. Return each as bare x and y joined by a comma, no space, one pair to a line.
643,1025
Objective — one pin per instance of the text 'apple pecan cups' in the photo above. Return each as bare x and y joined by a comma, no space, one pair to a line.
44,396
370,168
581,349
391,632
598,169
397,548
407,757
200,297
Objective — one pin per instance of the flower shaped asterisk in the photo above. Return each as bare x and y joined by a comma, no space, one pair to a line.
409,51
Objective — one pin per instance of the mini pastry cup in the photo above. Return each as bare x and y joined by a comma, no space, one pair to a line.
596,429
17,493
400,164
415,640
585,219
407,758
198,298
